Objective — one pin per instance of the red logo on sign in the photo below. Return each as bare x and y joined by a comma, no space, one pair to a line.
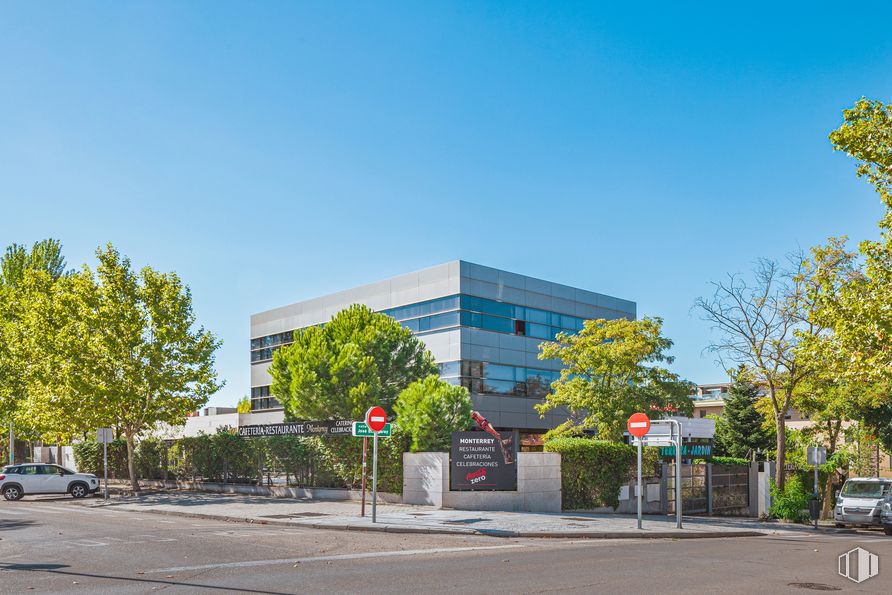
476,476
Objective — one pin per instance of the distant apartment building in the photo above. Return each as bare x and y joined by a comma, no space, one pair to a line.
709,399
482,325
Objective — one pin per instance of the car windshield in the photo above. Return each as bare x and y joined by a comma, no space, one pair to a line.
864,489
8,469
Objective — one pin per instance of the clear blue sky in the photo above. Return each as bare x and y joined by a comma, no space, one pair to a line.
272,152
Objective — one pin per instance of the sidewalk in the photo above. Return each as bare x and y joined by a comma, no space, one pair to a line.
398,518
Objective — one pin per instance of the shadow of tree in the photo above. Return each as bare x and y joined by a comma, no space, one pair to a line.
58,569
9,525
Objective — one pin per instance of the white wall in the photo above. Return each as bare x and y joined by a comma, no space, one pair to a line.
426,481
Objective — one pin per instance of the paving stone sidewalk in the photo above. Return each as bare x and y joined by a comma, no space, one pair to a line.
421,519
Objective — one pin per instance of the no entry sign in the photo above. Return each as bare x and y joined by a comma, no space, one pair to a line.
375,418
639,425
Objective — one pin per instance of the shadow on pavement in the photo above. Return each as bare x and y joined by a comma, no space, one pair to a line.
57,569
10,525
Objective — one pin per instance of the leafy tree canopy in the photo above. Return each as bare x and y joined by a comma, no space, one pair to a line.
45,255
430,410
121,348
612,369
358,359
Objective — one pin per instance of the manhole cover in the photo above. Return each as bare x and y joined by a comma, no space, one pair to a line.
464,521
290,516
815,586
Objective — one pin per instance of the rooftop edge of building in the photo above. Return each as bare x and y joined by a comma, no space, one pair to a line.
449,278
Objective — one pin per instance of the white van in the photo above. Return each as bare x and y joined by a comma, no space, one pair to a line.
860,501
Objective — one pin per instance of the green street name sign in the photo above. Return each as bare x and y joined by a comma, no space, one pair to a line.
361,430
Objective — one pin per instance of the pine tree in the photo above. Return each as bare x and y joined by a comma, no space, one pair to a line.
740,430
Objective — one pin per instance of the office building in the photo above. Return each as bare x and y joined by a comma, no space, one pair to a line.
482,325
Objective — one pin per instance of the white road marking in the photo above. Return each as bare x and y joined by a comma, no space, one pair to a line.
86,543
69,509
359,556
14,512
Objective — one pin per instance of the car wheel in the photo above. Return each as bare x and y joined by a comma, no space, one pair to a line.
12,493
887,529
839,525
79,490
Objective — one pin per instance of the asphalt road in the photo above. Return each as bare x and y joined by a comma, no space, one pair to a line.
52,545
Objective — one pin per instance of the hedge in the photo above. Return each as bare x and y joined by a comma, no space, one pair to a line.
227,457
592,471
717,460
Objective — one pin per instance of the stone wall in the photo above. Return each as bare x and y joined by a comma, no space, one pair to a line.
426,481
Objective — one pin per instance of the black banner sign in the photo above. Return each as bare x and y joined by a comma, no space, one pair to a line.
481,462
339,427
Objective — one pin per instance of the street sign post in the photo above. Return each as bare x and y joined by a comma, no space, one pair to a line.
362,430
105,435
375,419
639,426
670,430
816,455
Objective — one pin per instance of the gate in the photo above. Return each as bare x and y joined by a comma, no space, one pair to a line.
694,492
730,489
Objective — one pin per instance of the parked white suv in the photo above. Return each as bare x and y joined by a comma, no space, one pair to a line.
39,478
860,502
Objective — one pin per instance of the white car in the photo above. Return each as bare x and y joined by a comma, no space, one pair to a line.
39,478
860,502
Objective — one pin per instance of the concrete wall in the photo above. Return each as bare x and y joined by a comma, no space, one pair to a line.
426,481
47,454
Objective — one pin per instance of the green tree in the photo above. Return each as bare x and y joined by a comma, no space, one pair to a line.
17,267
128,349
761,324
45,255
360,358
429,410
612,369
852,301
740,431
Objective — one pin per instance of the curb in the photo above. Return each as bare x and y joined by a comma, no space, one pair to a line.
385,528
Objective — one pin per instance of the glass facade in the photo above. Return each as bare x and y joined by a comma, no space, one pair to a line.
451,312
261,399
499,379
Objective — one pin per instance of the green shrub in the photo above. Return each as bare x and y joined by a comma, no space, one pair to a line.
729,461
150,458
791,503
430,410
88,458
592,471
343,455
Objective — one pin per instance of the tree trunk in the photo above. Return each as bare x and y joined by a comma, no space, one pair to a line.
58,451
780,459
131,468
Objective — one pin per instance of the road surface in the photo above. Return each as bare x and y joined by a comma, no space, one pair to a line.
54,545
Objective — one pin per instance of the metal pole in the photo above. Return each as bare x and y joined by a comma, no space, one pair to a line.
11,445
677,425
816,485
639,484
365,451
374,476
105,463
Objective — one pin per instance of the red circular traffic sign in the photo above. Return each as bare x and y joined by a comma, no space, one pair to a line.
639,425
375,419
